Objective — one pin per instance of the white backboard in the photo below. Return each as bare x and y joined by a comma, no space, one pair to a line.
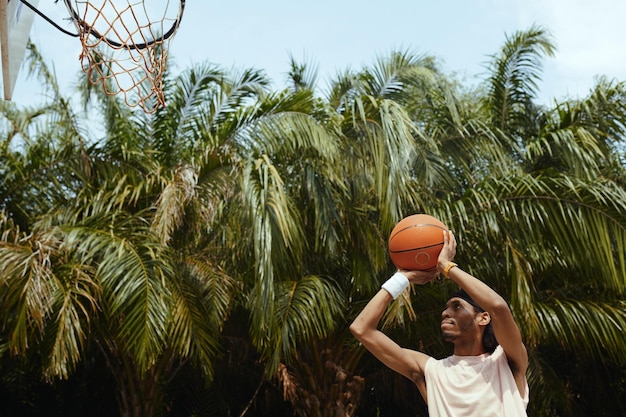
16,20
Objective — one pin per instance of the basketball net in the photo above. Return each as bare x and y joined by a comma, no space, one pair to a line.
125,46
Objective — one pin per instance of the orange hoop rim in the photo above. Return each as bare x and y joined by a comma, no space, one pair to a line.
91,30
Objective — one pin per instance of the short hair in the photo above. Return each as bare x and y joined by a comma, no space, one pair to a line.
489,338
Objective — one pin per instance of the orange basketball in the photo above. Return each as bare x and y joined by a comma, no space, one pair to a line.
415,242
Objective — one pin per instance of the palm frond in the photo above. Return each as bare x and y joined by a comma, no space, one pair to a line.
133,271
302,76
170,206
275,225
202,299
29,287
585,327
515,73
548,391
306,310
76,304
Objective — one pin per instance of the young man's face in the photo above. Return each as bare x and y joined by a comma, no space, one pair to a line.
458,319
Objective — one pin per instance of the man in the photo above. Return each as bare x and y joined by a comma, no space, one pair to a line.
481,379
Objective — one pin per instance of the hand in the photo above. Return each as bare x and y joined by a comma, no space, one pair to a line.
448,251
420,277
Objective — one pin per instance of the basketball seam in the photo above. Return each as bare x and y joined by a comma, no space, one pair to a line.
416,225
417,248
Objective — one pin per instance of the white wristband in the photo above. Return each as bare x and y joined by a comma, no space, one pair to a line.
396,284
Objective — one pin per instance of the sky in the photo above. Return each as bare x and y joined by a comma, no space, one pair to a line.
336,35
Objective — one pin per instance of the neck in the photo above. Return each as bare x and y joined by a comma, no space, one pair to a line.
473,348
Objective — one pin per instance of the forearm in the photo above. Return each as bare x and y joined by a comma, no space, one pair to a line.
369,318
480,292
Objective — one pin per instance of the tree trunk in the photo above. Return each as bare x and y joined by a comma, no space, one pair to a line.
138,395
323,388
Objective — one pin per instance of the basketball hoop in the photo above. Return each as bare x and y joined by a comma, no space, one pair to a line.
126,46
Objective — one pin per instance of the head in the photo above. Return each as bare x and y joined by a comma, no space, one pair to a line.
463,314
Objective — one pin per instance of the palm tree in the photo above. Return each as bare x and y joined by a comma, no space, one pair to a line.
545,225
344,215
527,192
565,155
86,266
129,244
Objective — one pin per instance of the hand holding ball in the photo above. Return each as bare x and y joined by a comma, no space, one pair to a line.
415,242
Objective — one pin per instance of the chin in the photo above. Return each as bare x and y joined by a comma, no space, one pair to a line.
447,336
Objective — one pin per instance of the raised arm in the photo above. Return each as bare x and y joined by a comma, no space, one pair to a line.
504,327
407,362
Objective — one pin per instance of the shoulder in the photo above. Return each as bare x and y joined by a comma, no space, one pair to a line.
434,365
498,353
519,374
517,362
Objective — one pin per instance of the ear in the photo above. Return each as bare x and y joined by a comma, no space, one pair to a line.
484,318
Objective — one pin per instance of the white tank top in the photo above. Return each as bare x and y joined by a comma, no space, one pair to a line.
473,386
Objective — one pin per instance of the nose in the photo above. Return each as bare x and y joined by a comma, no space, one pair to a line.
445,314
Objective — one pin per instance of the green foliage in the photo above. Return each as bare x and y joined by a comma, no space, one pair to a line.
225,242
